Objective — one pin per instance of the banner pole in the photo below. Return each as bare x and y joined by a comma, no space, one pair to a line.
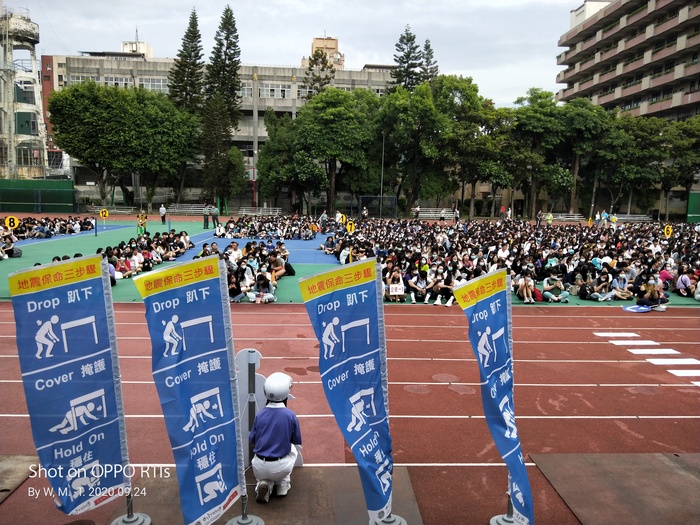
507,518
131,518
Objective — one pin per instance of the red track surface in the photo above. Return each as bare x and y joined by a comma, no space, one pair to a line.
575,393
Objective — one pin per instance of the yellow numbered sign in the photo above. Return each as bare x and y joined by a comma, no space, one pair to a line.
668,231
350,226
104,213
11,222
343,218
590,221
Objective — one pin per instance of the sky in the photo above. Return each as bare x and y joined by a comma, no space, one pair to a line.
505,46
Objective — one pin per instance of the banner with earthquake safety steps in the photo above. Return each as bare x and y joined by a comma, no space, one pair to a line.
67,347
189,321
486,301
346,310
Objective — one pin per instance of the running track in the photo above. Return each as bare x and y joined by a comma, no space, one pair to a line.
585,383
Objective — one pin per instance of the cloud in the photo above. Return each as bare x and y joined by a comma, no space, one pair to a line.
507,46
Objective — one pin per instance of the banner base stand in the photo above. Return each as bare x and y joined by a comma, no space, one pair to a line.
391,519
246,520
133,519
503,519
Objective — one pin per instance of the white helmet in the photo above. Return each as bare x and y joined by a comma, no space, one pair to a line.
277,387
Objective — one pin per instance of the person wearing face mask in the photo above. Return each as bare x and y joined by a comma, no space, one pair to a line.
601,288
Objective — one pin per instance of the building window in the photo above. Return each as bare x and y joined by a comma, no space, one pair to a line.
3,154
154,84
267,90
28,156
78,79
122,82
379,91
246,90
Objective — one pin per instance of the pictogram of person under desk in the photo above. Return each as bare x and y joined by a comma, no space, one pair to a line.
205,406
329,338
383,474
210,484
170,336
83,409
508,417
84,478
361,402
45,337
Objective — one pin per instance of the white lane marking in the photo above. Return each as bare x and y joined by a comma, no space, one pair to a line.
653,351
696,383
685,373
633,342
615,334
672,362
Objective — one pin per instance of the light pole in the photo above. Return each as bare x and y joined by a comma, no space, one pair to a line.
381,183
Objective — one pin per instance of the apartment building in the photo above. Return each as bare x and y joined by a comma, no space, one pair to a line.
641,56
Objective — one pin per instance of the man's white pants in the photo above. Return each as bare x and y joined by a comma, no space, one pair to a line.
272,472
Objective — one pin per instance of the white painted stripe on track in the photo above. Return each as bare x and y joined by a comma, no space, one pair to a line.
685,373
696,383
633,342
653,351
615,334
673,362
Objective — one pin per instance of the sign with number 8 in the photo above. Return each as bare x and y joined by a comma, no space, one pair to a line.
11,222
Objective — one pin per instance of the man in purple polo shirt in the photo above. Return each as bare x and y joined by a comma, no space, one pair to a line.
275,432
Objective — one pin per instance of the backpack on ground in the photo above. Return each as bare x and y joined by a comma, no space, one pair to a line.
289,269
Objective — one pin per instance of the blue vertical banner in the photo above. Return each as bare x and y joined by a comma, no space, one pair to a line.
189,321
67,347
486,301
346,310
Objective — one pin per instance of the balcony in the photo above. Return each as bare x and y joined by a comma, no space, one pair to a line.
663,104
607,55
608,75
636,17
661,79
663,53
636,64
668,24
635,41
607,98
632,89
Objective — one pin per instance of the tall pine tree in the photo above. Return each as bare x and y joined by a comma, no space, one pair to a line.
223,72
319,74
186,77
216,143
428,68
408,60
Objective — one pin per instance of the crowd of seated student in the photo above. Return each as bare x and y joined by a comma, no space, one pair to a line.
593,263
282,227
602,264
46,227
254,271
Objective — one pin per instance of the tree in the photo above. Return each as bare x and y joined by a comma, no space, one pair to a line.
93,124
539,129
683,165
408,60
223,72
414,128
168,139
219,174
186,77
331,129
584,124
428,68
319,74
